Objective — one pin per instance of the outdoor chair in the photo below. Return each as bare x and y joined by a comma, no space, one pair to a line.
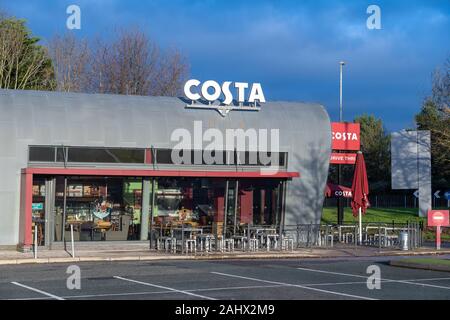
253,244
168,244
272,238
228,245
239,242
287,242
205,242
190,245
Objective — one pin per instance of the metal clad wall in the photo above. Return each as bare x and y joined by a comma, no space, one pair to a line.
411,164
404,160
49,118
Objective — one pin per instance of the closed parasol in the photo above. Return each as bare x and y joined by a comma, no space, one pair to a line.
360,190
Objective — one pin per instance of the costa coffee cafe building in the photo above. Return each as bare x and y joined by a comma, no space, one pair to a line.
106,164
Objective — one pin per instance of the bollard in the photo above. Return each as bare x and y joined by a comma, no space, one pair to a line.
35,240
379,237
182,238
71,240
404,241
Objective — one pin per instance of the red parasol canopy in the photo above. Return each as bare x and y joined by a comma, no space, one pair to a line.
360,186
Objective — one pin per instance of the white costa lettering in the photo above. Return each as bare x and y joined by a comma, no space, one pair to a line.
212,91
344,136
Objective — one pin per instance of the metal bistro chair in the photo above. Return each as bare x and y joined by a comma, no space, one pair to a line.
253,244
205,242
272,238
239,242
167,243
227,245
190,245
287,242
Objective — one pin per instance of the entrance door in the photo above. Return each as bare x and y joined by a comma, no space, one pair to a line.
49,211
42,209
267,202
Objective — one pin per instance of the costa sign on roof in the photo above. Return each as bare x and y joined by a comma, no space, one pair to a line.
211,91
345,136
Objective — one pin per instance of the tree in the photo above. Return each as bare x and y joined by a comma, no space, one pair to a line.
24,64
435,116
71,58
134,65
375,145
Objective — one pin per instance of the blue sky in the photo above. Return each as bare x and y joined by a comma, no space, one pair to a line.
291,47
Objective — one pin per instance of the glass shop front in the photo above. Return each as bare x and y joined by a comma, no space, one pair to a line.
108,208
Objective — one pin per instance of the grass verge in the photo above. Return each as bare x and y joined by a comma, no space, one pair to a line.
435,264
386,215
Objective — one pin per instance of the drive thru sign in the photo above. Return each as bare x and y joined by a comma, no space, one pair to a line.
438,219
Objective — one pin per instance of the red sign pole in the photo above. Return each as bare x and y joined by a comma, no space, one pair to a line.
438,219
438,238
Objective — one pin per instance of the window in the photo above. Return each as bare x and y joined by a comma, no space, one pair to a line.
98,208
106,155
160,156
61,154
46,154
164,156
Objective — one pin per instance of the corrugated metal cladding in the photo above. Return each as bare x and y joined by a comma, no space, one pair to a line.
73,119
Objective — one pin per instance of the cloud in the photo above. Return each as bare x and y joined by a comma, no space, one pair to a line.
292,47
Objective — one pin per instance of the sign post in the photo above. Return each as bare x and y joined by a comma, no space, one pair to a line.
438,219
345,136
438,238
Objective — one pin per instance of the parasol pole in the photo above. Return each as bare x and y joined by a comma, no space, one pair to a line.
360,225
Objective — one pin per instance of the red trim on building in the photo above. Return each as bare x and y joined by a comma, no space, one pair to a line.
27,240
159,173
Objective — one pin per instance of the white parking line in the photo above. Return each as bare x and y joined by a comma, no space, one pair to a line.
382,279
48,296
427,279
37,290
295,285
166,288
153,292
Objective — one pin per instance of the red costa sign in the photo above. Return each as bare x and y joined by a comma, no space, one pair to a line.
345,136
343,158
438,218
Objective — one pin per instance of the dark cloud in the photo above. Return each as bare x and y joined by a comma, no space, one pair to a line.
291,47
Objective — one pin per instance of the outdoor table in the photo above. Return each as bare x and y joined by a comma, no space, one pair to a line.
184,230
188,230
344,227
262,232
263,229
